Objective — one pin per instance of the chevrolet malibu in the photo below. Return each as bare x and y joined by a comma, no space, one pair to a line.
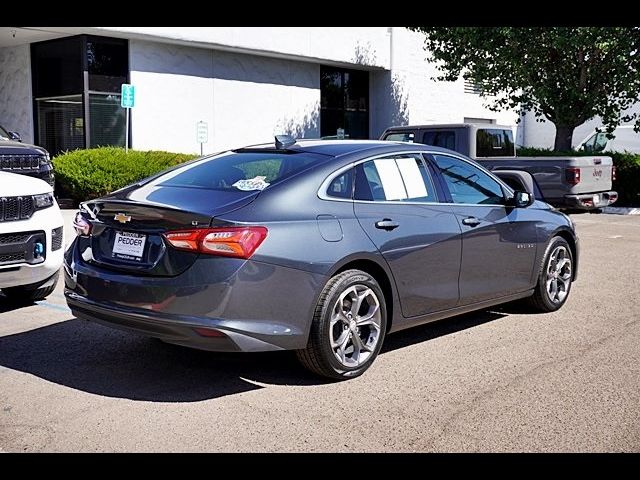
322,247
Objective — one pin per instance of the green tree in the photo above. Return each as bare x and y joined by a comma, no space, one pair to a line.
567,74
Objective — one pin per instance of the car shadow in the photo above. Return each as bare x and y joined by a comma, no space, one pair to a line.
103,361
8,305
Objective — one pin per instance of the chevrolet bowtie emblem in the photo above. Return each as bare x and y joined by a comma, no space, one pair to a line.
122,218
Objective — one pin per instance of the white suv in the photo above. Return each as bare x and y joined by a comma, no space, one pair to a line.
31,238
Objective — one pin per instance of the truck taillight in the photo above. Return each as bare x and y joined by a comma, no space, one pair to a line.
613,173
238,242
572,175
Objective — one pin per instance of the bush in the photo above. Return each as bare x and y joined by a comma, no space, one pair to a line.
627,165
86,174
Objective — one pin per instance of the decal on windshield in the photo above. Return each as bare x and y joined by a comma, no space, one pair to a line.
255,183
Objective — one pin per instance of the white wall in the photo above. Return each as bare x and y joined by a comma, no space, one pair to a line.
354,45
16,112
542,134
244,98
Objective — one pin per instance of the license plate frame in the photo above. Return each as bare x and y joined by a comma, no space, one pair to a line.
128,245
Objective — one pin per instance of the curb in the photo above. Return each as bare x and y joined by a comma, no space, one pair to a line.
622,210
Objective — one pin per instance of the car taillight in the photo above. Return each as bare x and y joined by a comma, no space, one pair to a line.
613,173
81,226
239,242
572,174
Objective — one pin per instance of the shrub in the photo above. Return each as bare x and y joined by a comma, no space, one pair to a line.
86,174
627,165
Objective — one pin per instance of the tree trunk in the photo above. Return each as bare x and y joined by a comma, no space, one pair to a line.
564,135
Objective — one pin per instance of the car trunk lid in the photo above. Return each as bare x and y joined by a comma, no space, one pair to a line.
128,227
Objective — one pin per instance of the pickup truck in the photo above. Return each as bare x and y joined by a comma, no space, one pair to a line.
565,182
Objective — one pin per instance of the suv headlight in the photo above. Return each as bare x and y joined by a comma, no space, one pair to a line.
45,159
43,200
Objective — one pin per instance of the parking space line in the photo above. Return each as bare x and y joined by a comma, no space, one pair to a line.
54,306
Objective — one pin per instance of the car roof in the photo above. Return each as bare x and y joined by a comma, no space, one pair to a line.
336,148
450,125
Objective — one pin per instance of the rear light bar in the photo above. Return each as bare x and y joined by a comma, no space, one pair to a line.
208,332
572,175
238,242
613,173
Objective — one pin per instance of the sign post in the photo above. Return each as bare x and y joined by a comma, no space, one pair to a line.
202,134
127,101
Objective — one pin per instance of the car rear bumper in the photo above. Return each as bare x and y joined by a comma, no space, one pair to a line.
590,201
255,306
234,335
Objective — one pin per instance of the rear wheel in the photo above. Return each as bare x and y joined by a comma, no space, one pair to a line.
348,327
32,293
554,278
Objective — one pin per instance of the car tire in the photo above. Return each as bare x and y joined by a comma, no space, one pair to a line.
554,277
32,293
339,327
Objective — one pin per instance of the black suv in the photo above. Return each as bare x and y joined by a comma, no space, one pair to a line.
18,157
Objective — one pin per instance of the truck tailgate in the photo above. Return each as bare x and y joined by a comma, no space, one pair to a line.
552,175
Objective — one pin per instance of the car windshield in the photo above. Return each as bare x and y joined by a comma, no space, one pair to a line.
4,135
239,171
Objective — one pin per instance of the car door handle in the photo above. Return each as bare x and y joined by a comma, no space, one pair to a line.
471,221
386,224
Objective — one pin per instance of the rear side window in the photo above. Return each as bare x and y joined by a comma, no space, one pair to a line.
494,143
399,178
440,138
341,186
239,171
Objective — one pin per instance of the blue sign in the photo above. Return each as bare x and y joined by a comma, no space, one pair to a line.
127,99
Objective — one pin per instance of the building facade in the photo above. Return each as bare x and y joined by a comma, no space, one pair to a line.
60,86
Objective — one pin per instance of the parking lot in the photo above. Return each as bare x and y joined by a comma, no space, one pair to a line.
497,380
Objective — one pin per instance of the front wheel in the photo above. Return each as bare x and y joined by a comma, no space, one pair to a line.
349,325
554,278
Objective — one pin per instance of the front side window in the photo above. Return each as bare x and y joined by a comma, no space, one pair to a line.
494,143
601,142
467,183
397,178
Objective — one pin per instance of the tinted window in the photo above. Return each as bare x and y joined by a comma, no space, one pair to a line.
601,142
494,143
587,145
443,138
108,63
401,137
401,178
467,183
239,171
341,186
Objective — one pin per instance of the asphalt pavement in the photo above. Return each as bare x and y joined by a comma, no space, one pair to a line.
490,381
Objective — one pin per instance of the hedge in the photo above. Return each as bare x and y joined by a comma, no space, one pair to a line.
627,182
85,174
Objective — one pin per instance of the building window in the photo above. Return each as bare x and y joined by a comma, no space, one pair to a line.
344,102
74,110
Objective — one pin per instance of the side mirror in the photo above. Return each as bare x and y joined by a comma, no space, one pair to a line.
15,136
522,199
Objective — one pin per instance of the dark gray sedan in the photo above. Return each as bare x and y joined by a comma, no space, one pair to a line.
322,247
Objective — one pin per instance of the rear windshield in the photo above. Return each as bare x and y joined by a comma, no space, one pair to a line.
240,171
